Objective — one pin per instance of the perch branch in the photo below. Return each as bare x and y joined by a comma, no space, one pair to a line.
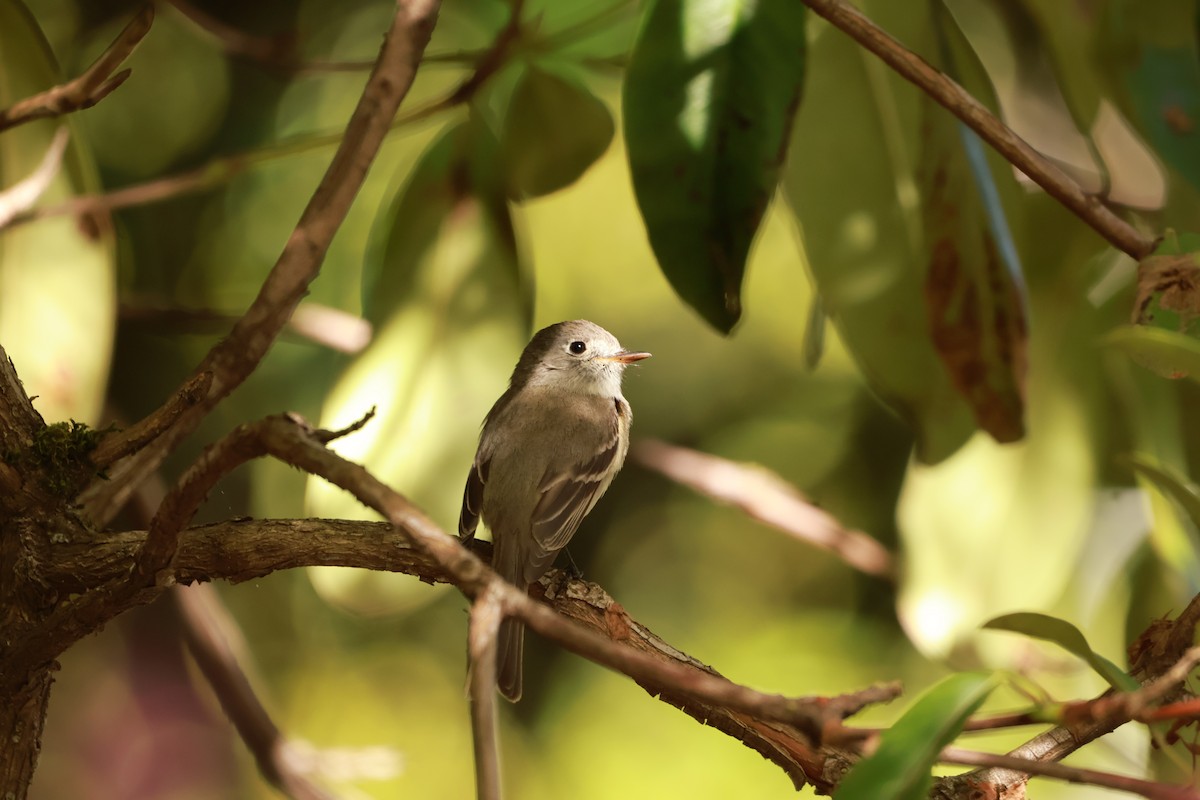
96,82
978,118
235,357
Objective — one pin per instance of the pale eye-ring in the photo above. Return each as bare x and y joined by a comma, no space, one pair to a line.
578,348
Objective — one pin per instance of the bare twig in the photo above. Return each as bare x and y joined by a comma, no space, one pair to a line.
121,443
235,357
320,324
214,640
21,196
96,82
975,115
766,497
275,52
486,614
1070,774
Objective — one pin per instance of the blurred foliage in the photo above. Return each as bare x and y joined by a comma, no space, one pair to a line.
547,196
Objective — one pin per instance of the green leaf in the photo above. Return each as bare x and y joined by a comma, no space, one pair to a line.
900,768
850,181
709,97
58,275
1171,482
1169,353
554,130
457,174
1066,636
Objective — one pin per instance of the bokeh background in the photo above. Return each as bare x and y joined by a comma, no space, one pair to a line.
369,668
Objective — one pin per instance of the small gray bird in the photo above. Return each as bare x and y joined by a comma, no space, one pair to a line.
549,448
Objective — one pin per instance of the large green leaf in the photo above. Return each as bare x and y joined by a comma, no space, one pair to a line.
850,181
900,769
57,276
554,130
709,98
450,302
1066,636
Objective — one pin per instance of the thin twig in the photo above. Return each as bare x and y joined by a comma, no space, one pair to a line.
975,115
96,82
21,196
213,640
1070,774
236,356
766,497
318,323
122,443
275,52
486,614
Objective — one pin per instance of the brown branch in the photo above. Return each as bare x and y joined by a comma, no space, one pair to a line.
121,443
248,550
235,357
781,728
766,497
976,116
211,636
486,613
96,82
1070,774
21,196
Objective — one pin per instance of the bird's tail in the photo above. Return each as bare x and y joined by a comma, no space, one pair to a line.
510,647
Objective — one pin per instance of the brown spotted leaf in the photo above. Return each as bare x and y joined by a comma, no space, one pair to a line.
975,303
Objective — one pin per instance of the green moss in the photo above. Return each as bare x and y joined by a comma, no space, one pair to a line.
61,452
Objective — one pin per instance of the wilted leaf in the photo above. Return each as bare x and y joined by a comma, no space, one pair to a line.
709,98
1168,286
850,181
450,303
975,293
901,768
1066,636
57,281
554,130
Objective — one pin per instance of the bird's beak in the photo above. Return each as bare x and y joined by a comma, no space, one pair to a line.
624,357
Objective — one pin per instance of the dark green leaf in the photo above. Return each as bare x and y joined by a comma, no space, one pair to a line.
709,98
850,185
814,333
1066,636
555,129
900,768
1149,48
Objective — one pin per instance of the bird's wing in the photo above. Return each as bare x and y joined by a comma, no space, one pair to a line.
566,498
468,518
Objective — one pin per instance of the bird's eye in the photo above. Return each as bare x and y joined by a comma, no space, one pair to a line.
578,348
